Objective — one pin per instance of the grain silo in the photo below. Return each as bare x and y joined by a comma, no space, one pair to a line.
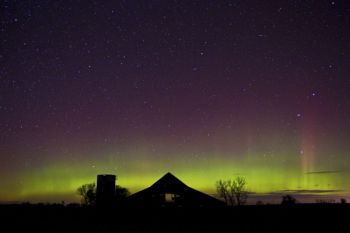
105,190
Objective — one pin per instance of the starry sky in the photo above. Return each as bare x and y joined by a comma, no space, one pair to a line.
204,89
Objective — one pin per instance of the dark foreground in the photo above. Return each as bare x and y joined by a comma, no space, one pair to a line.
247,219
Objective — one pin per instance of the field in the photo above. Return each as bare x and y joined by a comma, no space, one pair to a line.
245,219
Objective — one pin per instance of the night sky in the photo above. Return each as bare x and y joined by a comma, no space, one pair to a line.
207,90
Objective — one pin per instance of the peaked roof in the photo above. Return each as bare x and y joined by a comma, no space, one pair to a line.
170,184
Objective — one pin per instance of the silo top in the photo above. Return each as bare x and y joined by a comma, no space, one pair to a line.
106,176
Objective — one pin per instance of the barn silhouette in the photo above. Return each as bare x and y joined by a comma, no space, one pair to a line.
169,191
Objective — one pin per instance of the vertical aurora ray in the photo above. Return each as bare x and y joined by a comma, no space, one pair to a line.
308,149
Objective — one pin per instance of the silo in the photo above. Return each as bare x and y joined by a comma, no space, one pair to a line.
105,190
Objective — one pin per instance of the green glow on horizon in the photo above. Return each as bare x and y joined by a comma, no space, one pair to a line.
56,181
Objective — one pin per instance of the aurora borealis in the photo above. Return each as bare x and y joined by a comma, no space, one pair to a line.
206,89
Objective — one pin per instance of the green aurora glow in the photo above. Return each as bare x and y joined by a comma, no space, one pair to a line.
58,181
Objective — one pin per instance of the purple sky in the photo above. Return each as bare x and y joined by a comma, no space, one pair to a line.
174,82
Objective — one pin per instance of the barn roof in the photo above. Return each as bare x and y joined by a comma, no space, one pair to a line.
171,184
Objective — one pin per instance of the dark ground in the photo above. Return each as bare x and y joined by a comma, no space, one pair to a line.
247,219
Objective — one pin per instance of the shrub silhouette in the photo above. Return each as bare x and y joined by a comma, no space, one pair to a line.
121,193
288,200
87,193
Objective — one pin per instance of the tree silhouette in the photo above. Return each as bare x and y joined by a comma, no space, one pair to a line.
121,193
87,193
234,192
223,188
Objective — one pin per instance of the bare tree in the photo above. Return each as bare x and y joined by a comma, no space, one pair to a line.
223,188
234,192
240,190
87,193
